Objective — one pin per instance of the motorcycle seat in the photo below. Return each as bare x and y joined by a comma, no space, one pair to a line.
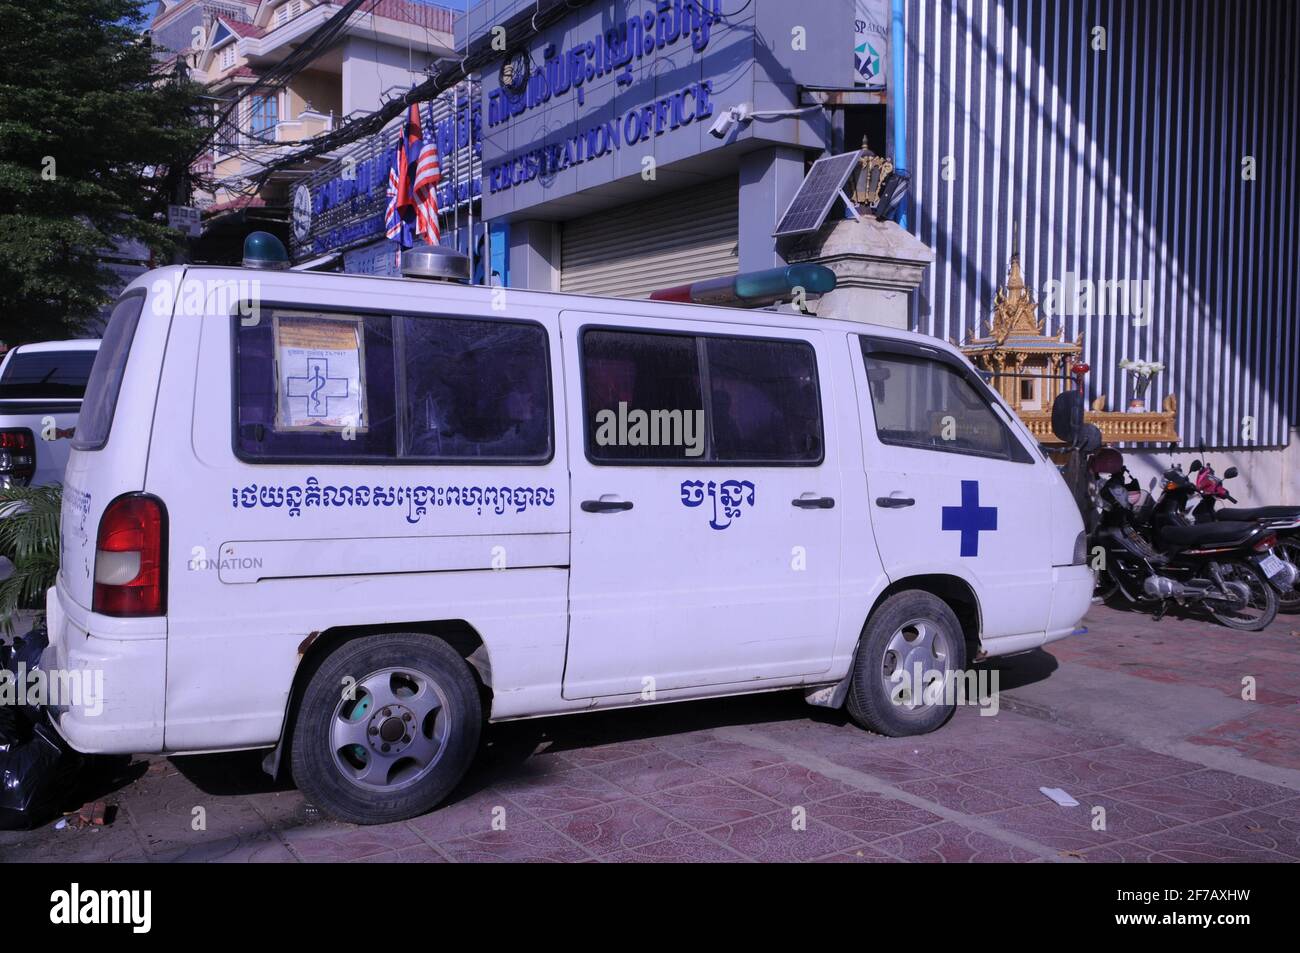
1222,533
1255,514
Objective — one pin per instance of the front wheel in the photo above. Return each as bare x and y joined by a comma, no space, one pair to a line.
911,652
1254,600
387,727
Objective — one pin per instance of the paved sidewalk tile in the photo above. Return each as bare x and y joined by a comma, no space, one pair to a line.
767,778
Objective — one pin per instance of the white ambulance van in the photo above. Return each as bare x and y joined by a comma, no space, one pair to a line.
351,518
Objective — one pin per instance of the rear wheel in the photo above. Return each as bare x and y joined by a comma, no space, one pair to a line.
1254,603
387,727
911,649
1288,548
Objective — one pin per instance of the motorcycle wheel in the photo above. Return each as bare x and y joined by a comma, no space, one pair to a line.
1106,589
1288,548
1261,608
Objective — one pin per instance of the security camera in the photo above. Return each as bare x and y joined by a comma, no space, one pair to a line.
728,120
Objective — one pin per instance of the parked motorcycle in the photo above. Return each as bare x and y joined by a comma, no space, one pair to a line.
1284,521
1155,555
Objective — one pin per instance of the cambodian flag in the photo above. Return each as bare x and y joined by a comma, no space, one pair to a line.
412,179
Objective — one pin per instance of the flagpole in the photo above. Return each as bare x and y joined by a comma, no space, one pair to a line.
455,175
469,188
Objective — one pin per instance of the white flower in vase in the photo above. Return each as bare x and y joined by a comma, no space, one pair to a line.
1142,372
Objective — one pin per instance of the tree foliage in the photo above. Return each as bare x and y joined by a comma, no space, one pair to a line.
96,132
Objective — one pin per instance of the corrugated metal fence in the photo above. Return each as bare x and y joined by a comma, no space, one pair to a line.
1121,138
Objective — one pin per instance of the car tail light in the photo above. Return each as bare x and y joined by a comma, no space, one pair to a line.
131,558
17,456
1267,543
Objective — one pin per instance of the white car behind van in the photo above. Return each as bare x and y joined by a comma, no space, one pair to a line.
351,518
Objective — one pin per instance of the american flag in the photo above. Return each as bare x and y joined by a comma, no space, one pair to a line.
425,188
413,178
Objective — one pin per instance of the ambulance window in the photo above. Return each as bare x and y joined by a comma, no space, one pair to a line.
338,381
476,390
764,402
920,402
643,397
96,416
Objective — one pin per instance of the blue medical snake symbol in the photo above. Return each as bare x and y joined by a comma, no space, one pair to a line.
316,382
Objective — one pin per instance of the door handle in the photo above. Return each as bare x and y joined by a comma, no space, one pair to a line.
605,506
814,502
894,502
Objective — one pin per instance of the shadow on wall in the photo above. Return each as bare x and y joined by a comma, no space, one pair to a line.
1266,476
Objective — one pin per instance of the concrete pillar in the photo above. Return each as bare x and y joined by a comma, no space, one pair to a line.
768,180
534,250
876,264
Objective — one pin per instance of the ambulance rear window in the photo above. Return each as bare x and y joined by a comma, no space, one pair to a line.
96,416
335,387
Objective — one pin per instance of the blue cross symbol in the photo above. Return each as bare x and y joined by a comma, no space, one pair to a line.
970,518
318,387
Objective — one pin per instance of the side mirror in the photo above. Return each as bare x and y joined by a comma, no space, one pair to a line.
1229,473
1067,416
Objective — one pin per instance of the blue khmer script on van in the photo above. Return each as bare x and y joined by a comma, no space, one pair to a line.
416,499
734,495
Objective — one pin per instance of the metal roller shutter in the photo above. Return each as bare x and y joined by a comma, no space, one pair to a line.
629,252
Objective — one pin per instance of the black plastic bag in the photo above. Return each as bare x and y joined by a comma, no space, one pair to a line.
36,765
35,775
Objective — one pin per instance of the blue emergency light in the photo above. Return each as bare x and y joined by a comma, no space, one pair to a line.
753,289
264,251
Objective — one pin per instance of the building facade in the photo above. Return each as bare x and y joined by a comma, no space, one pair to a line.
602,155
234,46
1141,154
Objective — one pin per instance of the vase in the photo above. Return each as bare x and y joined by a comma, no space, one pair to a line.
1137,406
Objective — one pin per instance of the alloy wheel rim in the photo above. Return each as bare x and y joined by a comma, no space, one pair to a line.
390,729
916,664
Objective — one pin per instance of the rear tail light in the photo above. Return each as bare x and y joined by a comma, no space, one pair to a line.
131,558
1267,543
17,456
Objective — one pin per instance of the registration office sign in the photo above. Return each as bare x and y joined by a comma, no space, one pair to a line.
342,205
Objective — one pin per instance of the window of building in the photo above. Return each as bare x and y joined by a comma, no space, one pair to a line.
287,11
264,113
227,59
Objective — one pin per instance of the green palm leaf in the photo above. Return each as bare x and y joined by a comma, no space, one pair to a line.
29,538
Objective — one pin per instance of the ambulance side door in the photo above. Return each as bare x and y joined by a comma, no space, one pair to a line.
952,488
690,568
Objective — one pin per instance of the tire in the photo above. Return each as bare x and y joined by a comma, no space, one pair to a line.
1106,589
354,753
878,699
1262,608
1288,548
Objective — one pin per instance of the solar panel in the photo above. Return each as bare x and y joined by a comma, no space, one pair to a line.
819,191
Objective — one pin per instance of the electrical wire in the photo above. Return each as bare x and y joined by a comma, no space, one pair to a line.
478,54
